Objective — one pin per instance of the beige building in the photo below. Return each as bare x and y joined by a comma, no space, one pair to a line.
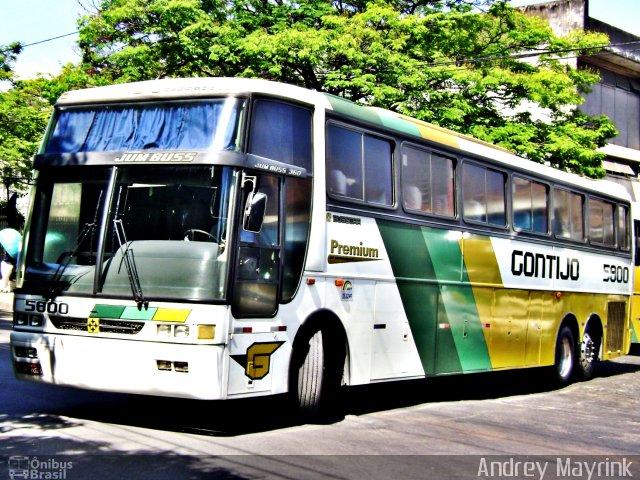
618,93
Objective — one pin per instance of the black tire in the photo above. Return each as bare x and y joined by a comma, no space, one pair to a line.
316,374
565,357
588,354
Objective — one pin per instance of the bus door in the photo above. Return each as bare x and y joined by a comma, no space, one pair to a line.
255,285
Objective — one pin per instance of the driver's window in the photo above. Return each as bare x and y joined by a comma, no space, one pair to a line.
258,268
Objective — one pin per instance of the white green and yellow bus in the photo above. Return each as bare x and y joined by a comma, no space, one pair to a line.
227,238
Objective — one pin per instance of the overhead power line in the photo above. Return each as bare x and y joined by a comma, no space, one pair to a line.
7,50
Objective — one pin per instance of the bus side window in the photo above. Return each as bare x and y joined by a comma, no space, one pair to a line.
378,172
282,132
344,162
427,179
483,195
568,218
359,166
601,222
623,227
530,205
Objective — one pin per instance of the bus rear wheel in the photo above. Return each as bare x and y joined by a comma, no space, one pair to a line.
589,351
564,357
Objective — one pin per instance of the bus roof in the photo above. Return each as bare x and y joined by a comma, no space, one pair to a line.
182,88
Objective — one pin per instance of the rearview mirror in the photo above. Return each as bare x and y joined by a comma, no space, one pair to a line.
254,211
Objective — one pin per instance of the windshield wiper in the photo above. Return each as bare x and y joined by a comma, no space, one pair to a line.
130,264
56,284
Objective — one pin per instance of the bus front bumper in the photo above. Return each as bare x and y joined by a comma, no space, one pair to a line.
139,367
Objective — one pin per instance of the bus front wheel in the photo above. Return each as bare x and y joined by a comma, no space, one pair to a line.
316,374
564,356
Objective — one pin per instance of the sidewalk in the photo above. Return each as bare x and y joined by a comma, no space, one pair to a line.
6,302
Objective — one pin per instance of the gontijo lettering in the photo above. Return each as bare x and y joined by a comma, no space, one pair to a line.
542,265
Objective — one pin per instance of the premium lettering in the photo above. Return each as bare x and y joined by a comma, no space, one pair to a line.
353,250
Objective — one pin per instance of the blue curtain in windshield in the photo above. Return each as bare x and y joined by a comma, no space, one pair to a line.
210,125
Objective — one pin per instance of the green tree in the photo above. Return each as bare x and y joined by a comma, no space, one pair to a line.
23,118
8,55
450,62
24,110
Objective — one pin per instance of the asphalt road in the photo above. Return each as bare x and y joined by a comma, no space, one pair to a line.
439,428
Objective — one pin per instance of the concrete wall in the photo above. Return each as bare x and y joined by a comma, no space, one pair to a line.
564,16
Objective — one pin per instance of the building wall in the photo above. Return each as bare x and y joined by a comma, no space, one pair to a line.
618,94
564,16
617,97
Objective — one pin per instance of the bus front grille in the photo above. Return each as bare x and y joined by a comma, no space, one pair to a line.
615,326
95,325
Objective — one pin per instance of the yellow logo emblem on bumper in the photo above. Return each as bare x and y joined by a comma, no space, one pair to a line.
93,325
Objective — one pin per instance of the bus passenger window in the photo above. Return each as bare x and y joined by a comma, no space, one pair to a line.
530,205
623,227
568,215
378,174
359,166
344,162
601,221
483,195
428,182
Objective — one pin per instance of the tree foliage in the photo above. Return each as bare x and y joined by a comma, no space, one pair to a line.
8,55
23,118
25,106
454,63
449,62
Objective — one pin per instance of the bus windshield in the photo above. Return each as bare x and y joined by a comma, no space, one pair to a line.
162,234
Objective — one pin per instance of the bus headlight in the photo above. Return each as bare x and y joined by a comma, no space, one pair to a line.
181,331
164,330
21,319
36,320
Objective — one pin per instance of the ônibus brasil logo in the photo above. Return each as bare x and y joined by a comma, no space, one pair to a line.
23,467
